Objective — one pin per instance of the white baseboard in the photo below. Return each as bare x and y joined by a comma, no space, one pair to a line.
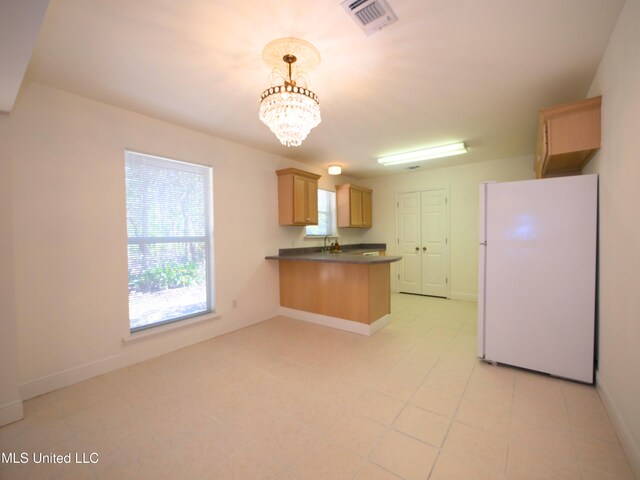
629,445
335,322
11,412
137,353
379,324
467,297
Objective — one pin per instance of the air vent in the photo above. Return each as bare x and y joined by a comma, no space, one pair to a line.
370,15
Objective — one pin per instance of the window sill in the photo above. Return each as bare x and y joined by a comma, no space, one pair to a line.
320,237
152,331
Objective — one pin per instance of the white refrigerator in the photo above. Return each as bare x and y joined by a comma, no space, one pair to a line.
537,275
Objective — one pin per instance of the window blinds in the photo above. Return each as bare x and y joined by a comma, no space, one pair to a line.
170,239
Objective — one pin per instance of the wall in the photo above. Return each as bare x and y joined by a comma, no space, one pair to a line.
463,182
618,164
10,403
69,234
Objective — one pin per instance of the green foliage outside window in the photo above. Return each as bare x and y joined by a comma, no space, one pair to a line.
163,277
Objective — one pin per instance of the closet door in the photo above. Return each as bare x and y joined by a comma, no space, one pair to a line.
409,241
434,242
422,241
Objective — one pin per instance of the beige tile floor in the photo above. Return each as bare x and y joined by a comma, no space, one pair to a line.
294,401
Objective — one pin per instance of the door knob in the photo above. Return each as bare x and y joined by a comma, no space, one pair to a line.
424,249
417,249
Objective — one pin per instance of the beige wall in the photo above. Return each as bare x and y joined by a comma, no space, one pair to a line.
70,234
463,182
618,164
10,403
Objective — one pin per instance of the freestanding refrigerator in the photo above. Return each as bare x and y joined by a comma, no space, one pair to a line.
537,275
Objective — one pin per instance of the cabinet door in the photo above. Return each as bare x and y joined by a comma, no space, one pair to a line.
300,208
355,197
305,201
312,202
574,132
366,209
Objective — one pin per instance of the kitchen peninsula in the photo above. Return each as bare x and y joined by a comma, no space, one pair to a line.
349,290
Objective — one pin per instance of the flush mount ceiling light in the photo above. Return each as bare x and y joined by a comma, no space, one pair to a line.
288,107
334,170
426,154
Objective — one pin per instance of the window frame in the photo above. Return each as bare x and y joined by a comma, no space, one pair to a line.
207,239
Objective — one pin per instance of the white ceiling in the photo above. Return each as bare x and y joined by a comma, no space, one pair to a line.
449,70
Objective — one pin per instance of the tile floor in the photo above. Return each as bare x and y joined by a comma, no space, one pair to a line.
294,401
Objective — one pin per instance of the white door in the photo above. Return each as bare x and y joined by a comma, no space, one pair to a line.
409,241
422,242
434,238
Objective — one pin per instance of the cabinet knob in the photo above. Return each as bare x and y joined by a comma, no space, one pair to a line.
424,249
417,249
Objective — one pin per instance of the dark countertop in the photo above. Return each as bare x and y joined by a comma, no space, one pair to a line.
348,254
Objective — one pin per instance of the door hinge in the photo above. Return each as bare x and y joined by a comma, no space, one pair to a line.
446,280
446,200
398,240
398,204
446,241
398,276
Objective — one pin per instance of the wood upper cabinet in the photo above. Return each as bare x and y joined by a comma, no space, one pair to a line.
568,135
354,206
297,197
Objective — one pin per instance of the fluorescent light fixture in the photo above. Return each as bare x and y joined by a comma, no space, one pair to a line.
334,170
426,154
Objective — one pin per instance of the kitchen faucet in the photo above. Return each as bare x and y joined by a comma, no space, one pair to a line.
333,247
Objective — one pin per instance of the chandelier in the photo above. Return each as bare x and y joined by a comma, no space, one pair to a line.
288,107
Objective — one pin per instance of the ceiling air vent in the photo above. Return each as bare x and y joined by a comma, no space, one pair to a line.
370,15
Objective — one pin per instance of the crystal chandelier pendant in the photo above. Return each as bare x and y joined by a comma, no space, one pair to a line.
288,109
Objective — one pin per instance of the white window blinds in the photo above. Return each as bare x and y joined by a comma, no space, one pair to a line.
170,239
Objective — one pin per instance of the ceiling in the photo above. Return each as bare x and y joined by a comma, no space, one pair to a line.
448,70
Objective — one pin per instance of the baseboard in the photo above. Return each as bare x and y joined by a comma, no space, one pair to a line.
11,412
629,445
137,353
467,297
379,324
335,322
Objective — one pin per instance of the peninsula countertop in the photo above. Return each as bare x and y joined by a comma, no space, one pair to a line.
348,254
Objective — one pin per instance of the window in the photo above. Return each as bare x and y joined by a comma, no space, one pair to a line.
326,215
170,240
